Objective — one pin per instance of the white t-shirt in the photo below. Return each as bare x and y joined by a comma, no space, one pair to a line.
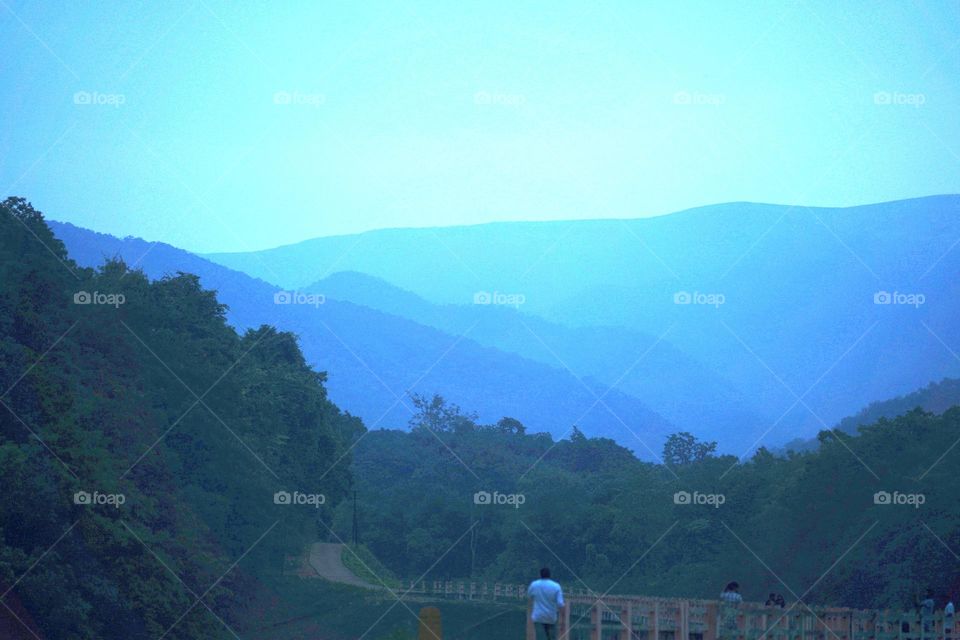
948,616
547,598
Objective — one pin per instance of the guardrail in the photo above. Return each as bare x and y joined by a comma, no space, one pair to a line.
591,617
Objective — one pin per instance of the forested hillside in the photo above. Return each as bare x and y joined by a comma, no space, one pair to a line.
936,397
605,520
142,441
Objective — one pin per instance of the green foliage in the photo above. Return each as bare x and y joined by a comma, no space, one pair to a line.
683,448
114,385
595,513
365,565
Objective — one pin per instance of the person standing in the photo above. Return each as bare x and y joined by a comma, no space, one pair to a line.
948,618
926,607
730,600
546,598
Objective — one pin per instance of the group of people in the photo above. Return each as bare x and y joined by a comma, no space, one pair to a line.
928,608
546,596
731,596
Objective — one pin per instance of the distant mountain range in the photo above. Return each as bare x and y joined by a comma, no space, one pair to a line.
374,359
742,323
794,316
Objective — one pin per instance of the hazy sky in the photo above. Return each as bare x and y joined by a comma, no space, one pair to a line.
215,126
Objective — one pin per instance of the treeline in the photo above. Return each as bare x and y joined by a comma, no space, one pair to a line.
142,442
870,520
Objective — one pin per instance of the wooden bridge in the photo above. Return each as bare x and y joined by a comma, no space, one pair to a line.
588,617
592,616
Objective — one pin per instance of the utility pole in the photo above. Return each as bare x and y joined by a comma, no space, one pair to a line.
355,527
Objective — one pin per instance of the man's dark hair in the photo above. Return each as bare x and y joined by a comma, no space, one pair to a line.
545,573
732,586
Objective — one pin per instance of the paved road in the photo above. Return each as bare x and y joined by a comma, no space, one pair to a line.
325,558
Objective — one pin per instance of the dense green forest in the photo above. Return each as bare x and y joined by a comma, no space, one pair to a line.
141,444
605,520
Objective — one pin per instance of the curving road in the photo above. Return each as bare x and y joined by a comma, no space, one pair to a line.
326,559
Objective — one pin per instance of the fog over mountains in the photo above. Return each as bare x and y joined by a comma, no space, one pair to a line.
742,323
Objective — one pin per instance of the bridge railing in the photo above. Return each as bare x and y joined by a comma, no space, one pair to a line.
590,617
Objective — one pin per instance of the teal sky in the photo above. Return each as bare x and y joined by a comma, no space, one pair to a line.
234,127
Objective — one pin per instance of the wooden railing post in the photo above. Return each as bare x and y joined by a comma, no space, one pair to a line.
531,628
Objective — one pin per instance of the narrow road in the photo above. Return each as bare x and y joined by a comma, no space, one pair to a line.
326,559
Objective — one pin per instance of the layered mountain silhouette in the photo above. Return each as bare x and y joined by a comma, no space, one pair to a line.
375,359
805,314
